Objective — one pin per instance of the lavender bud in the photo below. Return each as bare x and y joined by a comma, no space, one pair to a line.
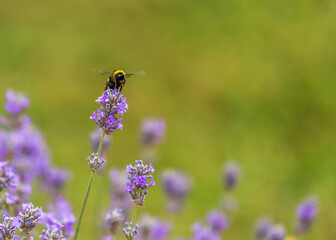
114,220
231,175
112,103
53,232
94,162
306,213
30,217
262,229
138,181
129,231
217,221
153,228
153,131
8,227
277,232
176,186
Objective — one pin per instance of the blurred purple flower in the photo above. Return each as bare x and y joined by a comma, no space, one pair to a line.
153,228
53,232
112,103
203,233
306,213
263,228
138,181
60,212
54,180
217,221
95,140
107,238
3,145
231,175
119,197
114,220
277,232
8,227
153,131
30,217
176,186
16,103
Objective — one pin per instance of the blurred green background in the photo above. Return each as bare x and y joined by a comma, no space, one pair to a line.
249,80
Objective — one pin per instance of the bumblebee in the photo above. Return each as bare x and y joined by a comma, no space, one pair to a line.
117,78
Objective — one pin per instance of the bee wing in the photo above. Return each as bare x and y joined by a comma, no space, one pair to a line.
102,72
140,73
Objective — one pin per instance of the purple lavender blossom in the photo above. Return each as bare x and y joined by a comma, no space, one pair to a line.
119,197
129,231
138,181
112,103
231,175
16,103
114,220
60,213
217,221
52,232
9,227
95,138
203,233
107,238
263,228
277,232
153,131
176,186
94,162
30,217
8,178
306,213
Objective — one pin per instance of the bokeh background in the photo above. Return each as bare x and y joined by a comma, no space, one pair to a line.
252,81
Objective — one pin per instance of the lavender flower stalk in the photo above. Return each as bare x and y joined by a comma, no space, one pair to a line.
262,229
153,132
277,232
306,213
217,221
112,103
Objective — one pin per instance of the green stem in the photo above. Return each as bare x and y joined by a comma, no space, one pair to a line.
134,214
22,235
88,188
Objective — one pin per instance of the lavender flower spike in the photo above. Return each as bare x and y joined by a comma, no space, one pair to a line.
112,103
231,175
129,231
114,219
30,217
8,227
8,179
306,213
138,181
